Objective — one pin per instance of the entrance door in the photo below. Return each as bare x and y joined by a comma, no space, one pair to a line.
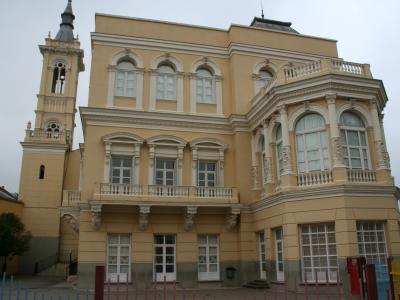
164,257
118,257
280,275
208,268
261,250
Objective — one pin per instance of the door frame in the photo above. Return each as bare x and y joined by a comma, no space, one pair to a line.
168,276
208,276
112,278
261,261
280,275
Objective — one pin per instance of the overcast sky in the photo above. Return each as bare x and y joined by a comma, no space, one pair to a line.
368,31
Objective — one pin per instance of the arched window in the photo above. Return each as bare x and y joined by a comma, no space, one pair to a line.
312,144
264,77
166,82
125,82
354,141
59,73
53,129
279,154
41,172
204,86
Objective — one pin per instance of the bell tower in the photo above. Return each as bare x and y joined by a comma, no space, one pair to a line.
47,144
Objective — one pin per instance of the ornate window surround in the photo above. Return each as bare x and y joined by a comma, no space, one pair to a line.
179,74
216,83
265,64
112,70
122,144
211,150
166,146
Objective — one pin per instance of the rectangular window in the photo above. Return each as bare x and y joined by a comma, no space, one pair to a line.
118,257
121,170
262,258
166,87
280,276
125,84
318,252
165,172
207,174
204,90
208,264
371,242
164,257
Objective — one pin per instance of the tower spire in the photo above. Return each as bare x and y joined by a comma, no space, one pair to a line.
66,34
262,9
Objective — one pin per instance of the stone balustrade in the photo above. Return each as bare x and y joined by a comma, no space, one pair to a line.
361,176
41,135
314,178
71,198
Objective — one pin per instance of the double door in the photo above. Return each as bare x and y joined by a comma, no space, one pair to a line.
118,257
164,257
208,261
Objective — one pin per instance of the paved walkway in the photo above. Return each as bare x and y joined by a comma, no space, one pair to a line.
55,288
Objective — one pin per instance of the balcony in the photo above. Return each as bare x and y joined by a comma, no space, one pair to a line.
165,194
314,69
43,136
71,198
361,176
314,178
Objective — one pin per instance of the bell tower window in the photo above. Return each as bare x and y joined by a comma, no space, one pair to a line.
53,130
59,73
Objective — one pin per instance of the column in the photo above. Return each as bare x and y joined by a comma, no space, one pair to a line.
153,92
111,83
218,94
179,92
107,161
221,162
192,77
180,166
194,166
339,172
254,165
267,164
139,89
136,164
151,164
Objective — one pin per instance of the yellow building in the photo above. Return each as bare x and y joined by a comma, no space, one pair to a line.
255,148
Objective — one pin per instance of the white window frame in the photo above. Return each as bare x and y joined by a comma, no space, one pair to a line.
367,236
170,276
201,81
125,73
280,275
344,130
263,81
262,256
301,134
320,271
164,76
164,170
61,80
113,277
206,173
208,275
121,169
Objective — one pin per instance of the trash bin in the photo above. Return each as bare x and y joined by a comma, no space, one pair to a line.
230,272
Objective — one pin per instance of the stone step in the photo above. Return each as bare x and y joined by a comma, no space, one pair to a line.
257,284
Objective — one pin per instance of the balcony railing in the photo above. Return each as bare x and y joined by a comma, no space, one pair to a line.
40,135
314,178
115,191
313,69
71,198
361,176
120,189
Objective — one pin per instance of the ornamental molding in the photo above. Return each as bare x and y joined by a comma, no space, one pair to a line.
71,216
189,216
254,177
232,218
319,193
338,155
95,210
144,211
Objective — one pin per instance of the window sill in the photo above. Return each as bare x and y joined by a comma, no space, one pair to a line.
206,103
166,99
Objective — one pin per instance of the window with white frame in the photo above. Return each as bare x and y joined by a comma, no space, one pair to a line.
312,144
125,81
166,83
207,173
371,242
204,86
264,77
121,170
354,141
279,150
118,257
59,75
208,259
318,252
165,171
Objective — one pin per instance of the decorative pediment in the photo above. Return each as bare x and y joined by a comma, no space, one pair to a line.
122,137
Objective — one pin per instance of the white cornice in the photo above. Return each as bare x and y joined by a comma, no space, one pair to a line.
366,191
44,148
162,121
200,49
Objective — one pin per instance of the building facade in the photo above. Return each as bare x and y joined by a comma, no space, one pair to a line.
208,155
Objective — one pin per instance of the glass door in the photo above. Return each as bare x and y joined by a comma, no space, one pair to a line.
280,274
118,257
164,257
261,249
208,264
